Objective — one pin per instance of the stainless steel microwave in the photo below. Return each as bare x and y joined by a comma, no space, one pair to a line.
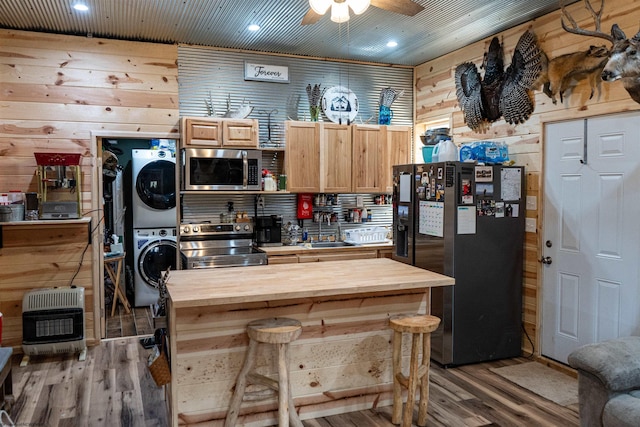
221,169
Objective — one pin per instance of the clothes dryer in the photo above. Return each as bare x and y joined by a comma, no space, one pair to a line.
154,250
154,188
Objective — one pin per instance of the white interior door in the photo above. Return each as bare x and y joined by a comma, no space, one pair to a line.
591,231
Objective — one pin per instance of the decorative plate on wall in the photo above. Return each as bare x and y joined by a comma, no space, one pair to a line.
340,104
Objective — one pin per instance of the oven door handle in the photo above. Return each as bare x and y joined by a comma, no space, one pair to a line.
245,170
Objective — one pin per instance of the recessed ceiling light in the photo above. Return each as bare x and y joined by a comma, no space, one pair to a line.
253,27
392,44
81,7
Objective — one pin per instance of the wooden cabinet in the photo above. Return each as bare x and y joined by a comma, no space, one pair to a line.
220,132
368,156
335,158
375,150
385,253
302,159
294,254
338,256
283,259
397,151
332,158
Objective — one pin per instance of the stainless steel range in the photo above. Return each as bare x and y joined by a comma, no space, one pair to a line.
219,245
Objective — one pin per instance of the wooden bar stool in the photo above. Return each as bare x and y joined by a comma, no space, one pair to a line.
420,327
279,331
113,265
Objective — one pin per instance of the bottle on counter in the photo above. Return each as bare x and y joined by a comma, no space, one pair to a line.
269,183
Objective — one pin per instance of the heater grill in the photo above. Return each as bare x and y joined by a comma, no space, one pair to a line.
53,321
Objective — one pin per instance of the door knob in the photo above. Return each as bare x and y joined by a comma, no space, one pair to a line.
546,260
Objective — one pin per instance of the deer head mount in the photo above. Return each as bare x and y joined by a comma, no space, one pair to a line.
624,60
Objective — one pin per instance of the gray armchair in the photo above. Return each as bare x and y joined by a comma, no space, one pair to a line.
608,382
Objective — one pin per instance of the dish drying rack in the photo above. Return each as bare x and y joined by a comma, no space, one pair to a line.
362,236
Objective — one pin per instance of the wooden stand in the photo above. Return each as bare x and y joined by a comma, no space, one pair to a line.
419,327
278,331
116,262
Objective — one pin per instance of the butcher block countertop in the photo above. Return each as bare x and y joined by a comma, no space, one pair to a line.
206,287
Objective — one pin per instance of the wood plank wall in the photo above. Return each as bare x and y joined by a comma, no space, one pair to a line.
57,92
436,99
50,254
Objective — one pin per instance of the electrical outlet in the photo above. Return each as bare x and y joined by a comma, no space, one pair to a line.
530,225
260,202
532,203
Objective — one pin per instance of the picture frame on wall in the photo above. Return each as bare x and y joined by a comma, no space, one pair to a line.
266,73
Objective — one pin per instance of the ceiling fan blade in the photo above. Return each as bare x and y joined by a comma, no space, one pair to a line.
310,18
404,7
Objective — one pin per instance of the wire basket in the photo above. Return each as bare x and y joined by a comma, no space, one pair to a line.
366,235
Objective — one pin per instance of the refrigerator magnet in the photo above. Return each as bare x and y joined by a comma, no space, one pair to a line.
484,173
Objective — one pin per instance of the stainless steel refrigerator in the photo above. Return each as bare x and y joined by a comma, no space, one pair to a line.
466,221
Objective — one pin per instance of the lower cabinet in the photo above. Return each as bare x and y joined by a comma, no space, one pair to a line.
338,256
282,259
385,253
319,255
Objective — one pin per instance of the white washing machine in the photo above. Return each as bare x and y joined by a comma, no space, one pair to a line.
154,188
154,250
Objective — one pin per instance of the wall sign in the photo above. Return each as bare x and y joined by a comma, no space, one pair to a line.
266,73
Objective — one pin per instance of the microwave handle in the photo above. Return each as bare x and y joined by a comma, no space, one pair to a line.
245,170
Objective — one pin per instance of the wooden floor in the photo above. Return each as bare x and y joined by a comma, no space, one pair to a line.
113,388
138,322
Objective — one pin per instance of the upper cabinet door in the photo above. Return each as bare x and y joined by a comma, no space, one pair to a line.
335,158
302,158
220,132
241,133
368,155
397,151
201,132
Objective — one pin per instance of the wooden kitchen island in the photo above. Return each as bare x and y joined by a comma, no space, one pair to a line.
340,363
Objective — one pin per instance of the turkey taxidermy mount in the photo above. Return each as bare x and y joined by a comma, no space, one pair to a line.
500,93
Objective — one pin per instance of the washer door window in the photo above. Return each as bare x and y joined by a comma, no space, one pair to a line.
155,259
156,185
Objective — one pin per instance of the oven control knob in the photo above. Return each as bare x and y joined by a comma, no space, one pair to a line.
237,228
196,229
186,229
246,227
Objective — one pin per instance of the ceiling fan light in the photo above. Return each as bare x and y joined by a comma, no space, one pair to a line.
358,6
320,6
340,12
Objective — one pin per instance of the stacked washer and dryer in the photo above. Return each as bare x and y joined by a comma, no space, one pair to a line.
154,220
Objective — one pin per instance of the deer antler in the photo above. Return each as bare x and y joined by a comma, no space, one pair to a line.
575,29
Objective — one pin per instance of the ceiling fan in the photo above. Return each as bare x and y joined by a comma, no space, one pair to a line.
340,8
